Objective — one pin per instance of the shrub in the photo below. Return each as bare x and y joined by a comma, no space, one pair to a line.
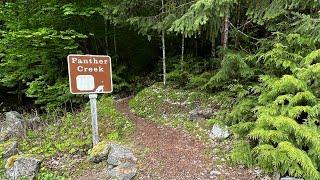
284,135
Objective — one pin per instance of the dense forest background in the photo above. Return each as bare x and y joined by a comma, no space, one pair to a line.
263,55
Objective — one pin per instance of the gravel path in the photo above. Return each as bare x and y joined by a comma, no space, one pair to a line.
171,153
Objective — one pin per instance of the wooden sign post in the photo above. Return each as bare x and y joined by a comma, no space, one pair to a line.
90,74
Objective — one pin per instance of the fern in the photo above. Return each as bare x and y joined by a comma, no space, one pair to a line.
234,66
286,158
282,130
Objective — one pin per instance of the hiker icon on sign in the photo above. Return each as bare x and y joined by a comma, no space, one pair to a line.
100,88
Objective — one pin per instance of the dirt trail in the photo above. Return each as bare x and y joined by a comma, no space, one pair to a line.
171,153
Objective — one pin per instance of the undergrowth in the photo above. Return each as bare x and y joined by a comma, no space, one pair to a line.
70,138
171,107
282,133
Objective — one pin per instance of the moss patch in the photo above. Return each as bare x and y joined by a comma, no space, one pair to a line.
11,161
98,149
170,106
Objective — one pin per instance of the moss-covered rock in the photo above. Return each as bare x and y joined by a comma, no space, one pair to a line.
8,149
22,166
99,152
113,153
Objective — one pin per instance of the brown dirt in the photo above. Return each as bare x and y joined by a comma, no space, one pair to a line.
172,153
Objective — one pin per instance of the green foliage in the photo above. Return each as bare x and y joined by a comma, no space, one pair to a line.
181,78
200,13
234,66
265,11
23,59
72,133
308,24
37,36
193,72
120,84
51,95
46,175
285,136
242,154
286,158
35,41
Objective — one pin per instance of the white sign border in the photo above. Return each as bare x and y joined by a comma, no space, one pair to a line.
90,55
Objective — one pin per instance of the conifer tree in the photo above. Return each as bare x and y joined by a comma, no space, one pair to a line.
211,14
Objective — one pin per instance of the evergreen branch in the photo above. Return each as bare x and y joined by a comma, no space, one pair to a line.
257,39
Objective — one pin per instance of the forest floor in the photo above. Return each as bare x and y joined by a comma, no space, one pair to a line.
171,153
169,145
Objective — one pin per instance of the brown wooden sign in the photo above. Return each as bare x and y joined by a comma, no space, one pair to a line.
90,74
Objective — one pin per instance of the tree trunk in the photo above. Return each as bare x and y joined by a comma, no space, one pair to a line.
225,33
163,49
107,44
213,46
106,37
182,52
96,45
236,41
213,50
20,93
115,44
196,47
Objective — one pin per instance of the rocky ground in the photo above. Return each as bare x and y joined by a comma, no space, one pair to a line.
116,162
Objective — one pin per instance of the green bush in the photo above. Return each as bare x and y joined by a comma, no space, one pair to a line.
281,128
192,72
